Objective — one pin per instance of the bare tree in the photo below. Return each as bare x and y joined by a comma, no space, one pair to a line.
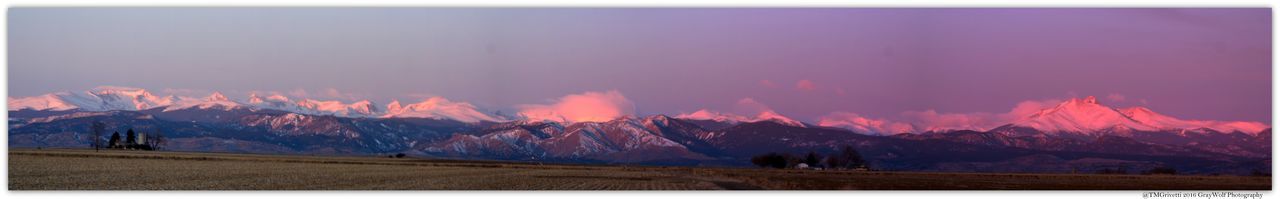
151,140
98,128
157,140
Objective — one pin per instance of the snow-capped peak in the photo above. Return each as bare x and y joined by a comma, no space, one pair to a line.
329,107
1081,116
121,91
1087,116
439,108
254,98
775,117
394,107
275,102
869,126
1090,100
363,107
52,101
767,115
214,100
217,96
1146,116
98,99
704,114
126,98
278,98
109,98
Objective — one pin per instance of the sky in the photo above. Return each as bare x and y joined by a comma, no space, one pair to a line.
805,63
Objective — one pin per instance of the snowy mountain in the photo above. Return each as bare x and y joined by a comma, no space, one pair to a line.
276,102
362,108
767,115
1088,117
108,98
705,114
1081,116
652,140
440,108
867,126
103,98
214,101
1084,125
50,102
620,140
1072,130
775,117
1163,122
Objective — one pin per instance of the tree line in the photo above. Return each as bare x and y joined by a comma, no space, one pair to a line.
846,158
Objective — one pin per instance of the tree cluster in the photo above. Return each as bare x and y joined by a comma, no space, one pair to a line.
846,158
148,141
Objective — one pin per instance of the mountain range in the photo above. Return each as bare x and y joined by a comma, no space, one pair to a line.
1077,135
109,98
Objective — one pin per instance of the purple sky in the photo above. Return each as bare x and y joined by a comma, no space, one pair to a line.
801,62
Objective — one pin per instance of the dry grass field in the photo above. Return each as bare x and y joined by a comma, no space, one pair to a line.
75,169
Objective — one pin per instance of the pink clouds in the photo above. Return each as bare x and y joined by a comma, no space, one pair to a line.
585,107
768,84
806,85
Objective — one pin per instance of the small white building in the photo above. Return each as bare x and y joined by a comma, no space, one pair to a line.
802,166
